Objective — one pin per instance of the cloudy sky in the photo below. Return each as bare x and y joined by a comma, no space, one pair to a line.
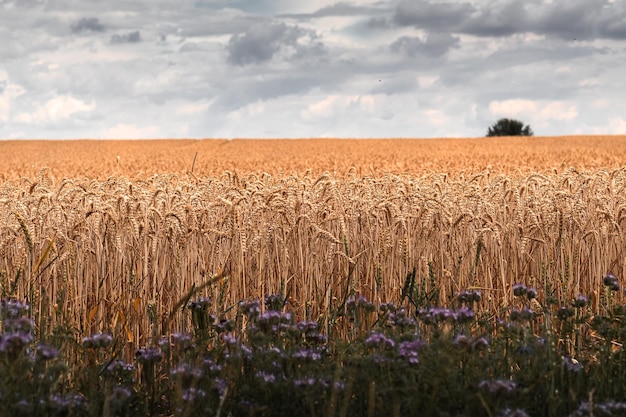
286,68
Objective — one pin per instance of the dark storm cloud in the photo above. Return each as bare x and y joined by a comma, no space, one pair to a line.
91,24
572,19
434,46
132,37
262,41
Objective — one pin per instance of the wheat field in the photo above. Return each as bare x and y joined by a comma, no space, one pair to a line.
113,235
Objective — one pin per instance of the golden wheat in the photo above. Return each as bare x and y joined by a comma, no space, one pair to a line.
118,254
375,157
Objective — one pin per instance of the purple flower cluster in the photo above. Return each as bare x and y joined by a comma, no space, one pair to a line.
273,322
267,378
571,364
46,353
97,341
18,325
186,373
201,303
525,314
352,304
274,302
608,408
444,315
469,297
148,355
409,349
471,343
73,403
120,396
120,370
193,394
609,280
11,344
308,354
400,319
513,412
564,313
319,383
12,309
521,290
250,308
379,340
580,301
498,388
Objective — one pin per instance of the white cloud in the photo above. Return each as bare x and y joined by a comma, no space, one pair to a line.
131,131
336,104
55,110
11,92
512,108
436,117
193,108
558,110
554,110
617,125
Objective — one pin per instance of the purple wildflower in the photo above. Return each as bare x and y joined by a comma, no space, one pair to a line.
519,290
97,341
465,315
469,296
308,354
148,355
525,314
186,373
580,301
13,309
18,325
564,313
220,386
515,412
399,318
274,302
266,377
571,364
46,353
13,343
250,308
377,339
201,303
498,387
408,350
119,396
193,394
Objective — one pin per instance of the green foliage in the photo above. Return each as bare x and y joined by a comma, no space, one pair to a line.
533,358
509,127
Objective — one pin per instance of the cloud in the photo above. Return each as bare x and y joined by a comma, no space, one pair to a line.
130,131
512,108
434,45
88,24
334,104
541,112
563,19
132,37
429,15
336,9
55,110
262,41
8,93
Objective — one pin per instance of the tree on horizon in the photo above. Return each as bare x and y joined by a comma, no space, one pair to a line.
509,127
